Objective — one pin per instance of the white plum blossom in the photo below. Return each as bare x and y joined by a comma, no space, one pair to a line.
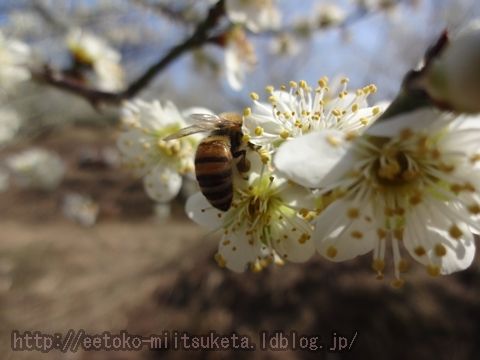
413,179
15,56
10,123
240,57
81,209
142,145
257,15
90,50
36,168
329,14
302,109
284,45
453,77
267,221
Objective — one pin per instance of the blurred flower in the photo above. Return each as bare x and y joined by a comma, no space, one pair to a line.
89,50
36,168
453,77
239,57
81,209
284,45
374,5
268,220
14,57
302,110
9,124
257,15
162,163
413,179
329,14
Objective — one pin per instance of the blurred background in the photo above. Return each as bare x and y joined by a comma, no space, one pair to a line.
89,250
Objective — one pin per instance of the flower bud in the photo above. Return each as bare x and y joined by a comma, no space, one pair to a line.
453,78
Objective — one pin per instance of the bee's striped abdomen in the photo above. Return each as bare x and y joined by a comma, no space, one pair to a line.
213,168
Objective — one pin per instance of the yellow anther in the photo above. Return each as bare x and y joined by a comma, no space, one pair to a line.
381,233
474,209
364,121
293,84
304,238
415,199
378,265
269,89
322,83
256,267
397,283
420,250
455,232
398,234
440,250
355,107
332,251
475,158
376,110
284,134
333,141
303,84
433,270
403,265
351,135
356,234
247,111
336,112
259,131
254,96
406,134
245,138
344,81
220,260
353,213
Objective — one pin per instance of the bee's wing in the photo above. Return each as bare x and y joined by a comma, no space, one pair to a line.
203,123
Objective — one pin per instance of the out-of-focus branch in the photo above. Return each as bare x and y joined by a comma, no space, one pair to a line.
165,10
200,36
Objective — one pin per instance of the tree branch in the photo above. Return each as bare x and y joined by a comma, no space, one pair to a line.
200,36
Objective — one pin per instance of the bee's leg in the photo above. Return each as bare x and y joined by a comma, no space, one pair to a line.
243,165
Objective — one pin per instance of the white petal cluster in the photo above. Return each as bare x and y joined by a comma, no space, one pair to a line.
36,168
257,15
410,180
161,163
267,222
299,110
10,123
81,209
329,14
93,51
240,57
14,58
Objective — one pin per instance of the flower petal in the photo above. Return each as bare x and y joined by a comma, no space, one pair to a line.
199,210
308,159
236,250
162,183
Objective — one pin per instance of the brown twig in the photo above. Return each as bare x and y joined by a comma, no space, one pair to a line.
200,36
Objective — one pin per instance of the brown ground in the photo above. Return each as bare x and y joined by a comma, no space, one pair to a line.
131,272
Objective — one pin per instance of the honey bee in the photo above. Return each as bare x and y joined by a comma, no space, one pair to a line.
215,154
